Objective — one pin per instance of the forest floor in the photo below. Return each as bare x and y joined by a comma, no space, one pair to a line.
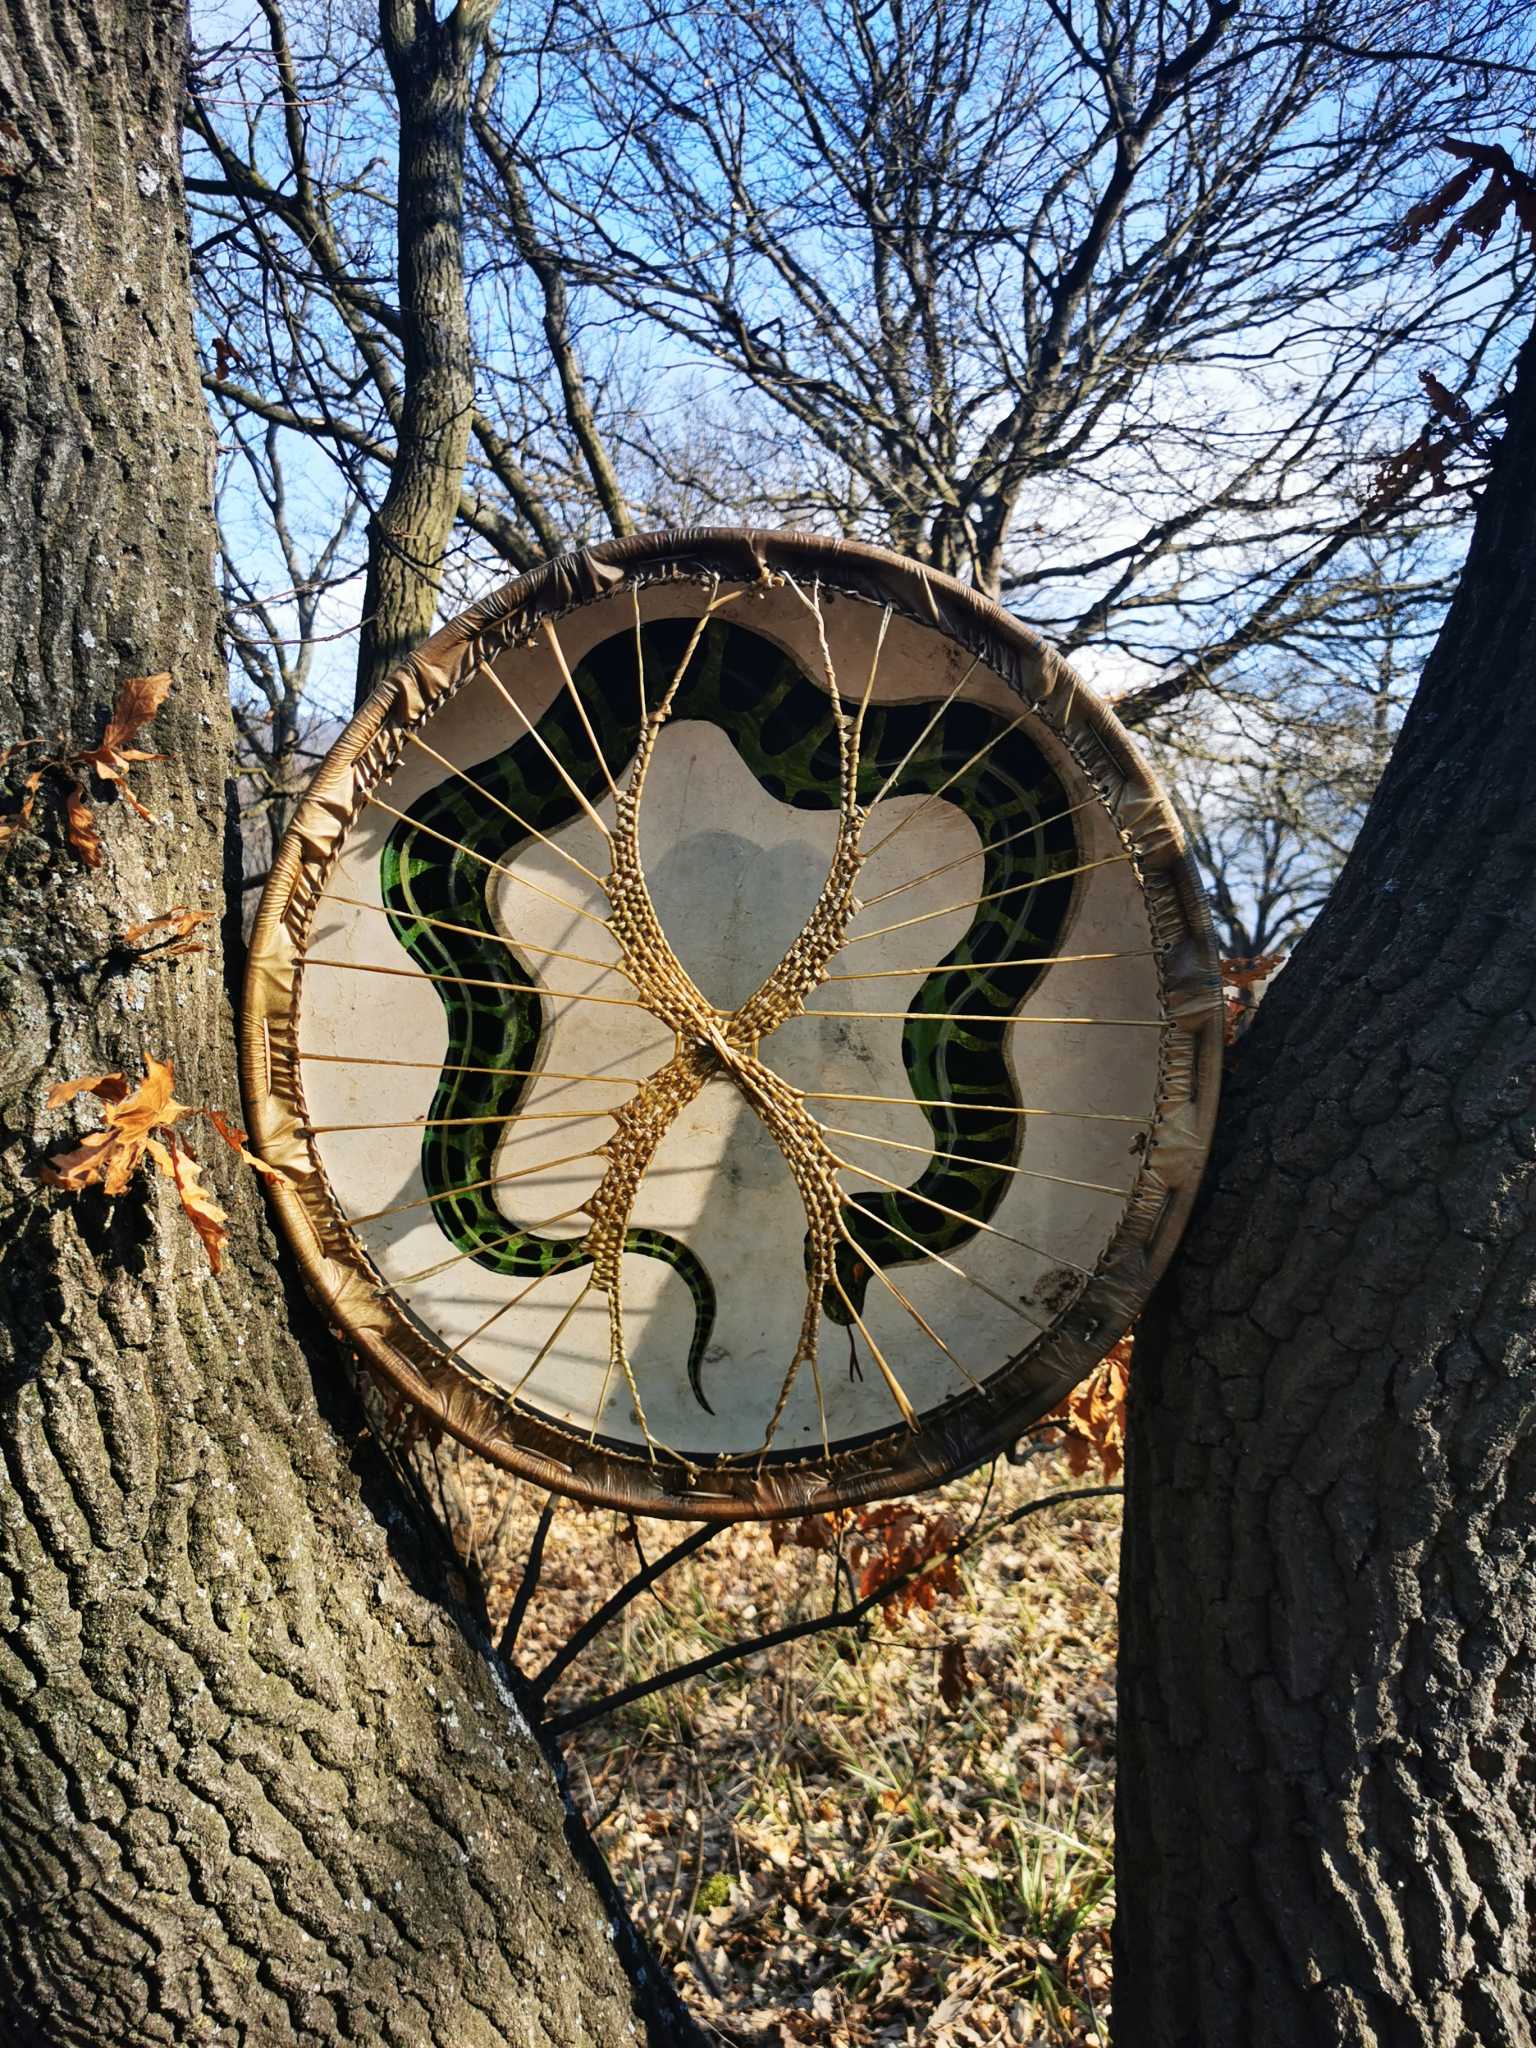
863,1836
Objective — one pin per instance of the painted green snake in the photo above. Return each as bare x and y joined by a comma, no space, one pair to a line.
777,719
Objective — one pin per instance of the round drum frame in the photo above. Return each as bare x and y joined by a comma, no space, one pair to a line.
975,1424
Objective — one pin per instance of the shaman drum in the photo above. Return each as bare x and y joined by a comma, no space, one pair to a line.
742,1023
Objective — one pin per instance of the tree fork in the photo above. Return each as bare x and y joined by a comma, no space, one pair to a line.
258,1784
1325,1825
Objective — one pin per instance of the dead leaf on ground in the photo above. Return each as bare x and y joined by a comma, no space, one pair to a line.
955,1679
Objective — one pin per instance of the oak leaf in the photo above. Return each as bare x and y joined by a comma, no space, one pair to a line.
889,1542
810,1532
1430,212
110,1087
209,1221
1449,404
137,702
178,919
89,1162
14,823
140,1122
139,698
80,824
955,1679
113,1154
235,1138
1508,186
1091,1420
1247,973
1239,978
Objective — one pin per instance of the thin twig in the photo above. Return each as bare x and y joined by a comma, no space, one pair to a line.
610,1610
533,1566
816,1624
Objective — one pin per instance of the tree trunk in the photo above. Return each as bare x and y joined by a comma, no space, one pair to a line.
429,63
1325,1825
256,1786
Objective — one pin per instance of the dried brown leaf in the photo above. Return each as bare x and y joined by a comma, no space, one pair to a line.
1508,187
1397,475
1092,1418
110,1087
13,150
225,356
140,1122
1445,401
80,826
179,920
235,1138
955,1679
15,822
209,1221
891,1541
1482,217
1247,973
1239,977
112,1155
137,702
1430,212
88,1163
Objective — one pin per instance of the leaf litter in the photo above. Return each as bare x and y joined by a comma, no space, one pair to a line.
900,1835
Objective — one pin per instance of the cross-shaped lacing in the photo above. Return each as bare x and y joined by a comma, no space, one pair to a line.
714,1043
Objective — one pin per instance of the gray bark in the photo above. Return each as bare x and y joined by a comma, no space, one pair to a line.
429,62
1326,1822
256,1785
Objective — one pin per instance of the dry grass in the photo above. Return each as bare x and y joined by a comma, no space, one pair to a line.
823,1849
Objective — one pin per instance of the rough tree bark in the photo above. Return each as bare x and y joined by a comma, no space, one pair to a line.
429,63
256,1785
1326,1823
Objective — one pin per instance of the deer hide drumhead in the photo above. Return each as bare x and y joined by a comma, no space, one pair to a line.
741,1025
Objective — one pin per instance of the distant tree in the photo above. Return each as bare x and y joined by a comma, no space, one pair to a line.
1091,307
1272,779
1095,311
276,632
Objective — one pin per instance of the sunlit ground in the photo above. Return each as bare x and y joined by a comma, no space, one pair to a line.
822,1846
